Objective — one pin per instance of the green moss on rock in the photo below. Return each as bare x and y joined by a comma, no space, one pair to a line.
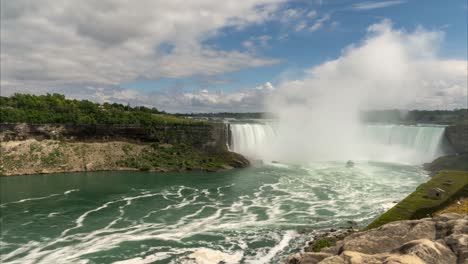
419,205
322,243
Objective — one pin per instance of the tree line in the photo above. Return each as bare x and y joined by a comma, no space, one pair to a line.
55,108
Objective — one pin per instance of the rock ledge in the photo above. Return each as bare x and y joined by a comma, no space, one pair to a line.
443,239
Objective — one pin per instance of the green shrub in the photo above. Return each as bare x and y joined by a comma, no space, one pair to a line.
322,243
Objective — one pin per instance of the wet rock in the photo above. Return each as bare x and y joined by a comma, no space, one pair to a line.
443,239
238,161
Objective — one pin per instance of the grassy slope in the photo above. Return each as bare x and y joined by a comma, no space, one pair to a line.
458,207
418,205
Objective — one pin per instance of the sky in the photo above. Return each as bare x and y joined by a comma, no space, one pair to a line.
216,56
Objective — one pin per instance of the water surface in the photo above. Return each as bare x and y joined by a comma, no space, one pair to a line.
255,215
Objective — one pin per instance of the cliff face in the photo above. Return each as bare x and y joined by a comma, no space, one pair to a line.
50,148
457,136
207,137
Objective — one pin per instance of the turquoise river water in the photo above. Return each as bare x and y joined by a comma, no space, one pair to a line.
255,215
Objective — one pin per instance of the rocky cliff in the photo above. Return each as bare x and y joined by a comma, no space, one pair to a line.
443,239
209,137
457,136
50,148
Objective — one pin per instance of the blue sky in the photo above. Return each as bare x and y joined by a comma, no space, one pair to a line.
301,50
206,56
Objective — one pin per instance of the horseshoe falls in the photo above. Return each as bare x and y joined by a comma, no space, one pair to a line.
406,144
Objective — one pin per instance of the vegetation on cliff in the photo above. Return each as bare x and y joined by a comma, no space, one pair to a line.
51,156
418,204
55,108
49,133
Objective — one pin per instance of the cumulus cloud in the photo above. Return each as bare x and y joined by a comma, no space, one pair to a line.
390,68
173,99
107,42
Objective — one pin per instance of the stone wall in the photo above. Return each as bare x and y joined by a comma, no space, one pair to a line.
207,137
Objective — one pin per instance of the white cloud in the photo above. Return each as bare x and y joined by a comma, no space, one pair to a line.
173,99
256,42
390,69
300,26
301,19
291,14
311,14
374,5
319,22
107,42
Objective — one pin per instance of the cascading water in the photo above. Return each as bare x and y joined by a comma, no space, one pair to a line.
423,141
394,143
251,139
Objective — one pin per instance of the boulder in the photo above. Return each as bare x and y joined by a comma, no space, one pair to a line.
442,239
429,251
389,237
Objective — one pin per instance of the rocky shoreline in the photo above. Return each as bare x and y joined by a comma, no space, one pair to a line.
442,239
397,236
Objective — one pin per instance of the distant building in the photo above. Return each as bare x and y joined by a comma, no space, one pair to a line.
435,193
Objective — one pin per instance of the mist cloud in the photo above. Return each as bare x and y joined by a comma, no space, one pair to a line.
390,68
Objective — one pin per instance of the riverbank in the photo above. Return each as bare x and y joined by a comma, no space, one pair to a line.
33,156
403,233
440,191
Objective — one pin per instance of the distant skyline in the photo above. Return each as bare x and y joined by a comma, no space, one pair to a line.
212,56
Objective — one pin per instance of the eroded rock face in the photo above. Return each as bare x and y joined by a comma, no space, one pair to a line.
443,239
389,237
458,137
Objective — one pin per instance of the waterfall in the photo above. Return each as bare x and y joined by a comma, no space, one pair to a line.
426,140
251,139
386,142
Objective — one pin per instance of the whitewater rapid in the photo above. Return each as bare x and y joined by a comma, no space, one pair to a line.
255,215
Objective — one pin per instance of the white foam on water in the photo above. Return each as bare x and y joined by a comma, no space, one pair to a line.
316,192
288,236
53,214
39,198
210,256
387,206
70,191
30,199
145,260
